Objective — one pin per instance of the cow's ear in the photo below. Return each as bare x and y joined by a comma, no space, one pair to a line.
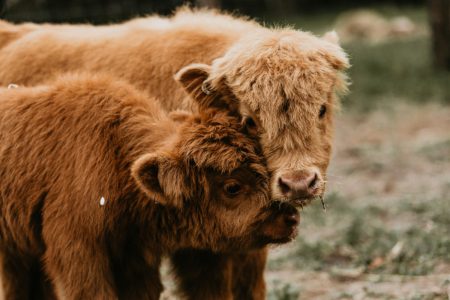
332,37
334,53
195,79
161,178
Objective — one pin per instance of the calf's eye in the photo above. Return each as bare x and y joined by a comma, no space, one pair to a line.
249,122
249,125
232,189
322,111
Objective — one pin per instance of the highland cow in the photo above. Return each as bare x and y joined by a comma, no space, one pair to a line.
98,183
284,82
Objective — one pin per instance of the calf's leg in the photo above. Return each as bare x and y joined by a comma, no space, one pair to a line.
248,275
80,271
203,275
207,275
17,273
137,279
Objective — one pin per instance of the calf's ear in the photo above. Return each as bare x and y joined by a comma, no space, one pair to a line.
196,81
334,54
193,77
332,37
160,177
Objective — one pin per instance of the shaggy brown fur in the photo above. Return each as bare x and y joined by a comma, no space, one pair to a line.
283,80
196,182
281,77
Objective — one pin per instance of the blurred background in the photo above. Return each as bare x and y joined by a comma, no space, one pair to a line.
386,232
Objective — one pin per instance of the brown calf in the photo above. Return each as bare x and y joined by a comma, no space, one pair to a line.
97,183
283,80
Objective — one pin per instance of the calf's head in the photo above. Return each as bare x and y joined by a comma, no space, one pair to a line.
283,83
212,177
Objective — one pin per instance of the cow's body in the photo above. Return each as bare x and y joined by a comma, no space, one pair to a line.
283,80
98,182
147,52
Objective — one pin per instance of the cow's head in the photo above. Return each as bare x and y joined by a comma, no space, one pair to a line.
283,83
213,175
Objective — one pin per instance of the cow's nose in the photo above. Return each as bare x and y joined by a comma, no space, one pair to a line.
292,219
298,184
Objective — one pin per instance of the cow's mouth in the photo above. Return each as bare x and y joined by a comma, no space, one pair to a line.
302,202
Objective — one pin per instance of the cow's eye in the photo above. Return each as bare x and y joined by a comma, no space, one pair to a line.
232,188
322,111
249,122
249,125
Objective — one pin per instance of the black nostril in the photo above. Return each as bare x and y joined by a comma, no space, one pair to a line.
313,182
283,186
291,219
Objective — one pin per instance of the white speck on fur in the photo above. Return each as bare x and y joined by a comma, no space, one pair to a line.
12,86
102,201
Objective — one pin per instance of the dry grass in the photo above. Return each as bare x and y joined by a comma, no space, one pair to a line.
386,234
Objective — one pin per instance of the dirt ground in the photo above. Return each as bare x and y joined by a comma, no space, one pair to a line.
386,231
394,161
392,169
322,285
389,160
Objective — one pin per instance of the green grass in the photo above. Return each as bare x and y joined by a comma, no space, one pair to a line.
396,70
360,235
438,152
283,291
392,71
319,23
